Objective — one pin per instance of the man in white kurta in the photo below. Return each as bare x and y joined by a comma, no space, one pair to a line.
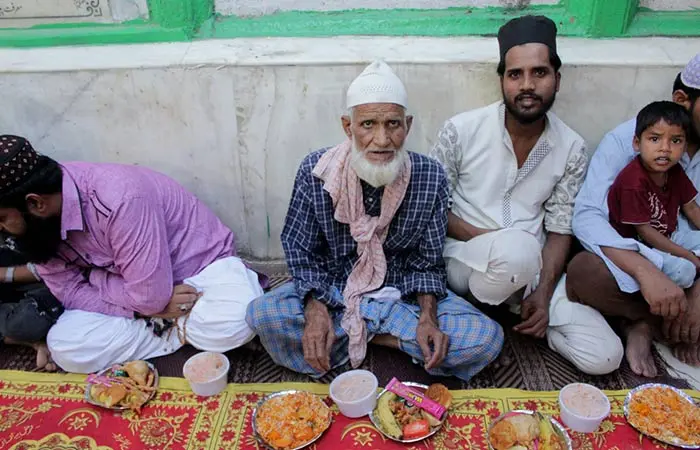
514,170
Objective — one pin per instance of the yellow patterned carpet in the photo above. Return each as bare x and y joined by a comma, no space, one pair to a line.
48,412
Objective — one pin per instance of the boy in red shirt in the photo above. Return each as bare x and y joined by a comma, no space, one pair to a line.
647,196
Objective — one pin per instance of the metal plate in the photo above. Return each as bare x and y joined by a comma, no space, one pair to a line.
558,428
376,424
644,387
89,399
280,394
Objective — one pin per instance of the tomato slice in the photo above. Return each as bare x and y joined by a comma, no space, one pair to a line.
416,429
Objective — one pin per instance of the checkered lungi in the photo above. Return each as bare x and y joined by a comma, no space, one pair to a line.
475,339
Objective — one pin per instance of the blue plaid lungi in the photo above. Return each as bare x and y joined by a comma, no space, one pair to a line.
475,339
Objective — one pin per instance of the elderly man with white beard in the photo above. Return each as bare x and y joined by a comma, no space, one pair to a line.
363,240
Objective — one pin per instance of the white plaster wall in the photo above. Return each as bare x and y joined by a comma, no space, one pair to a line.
670,5
231,120
259,7
25,13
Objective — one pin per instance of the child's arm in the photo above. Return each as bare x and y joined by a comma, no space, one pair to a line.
692,212
660,242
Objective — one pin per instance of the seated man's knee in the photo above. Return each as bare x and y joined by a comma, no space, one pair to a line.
514,261
516,251
481,347
604,359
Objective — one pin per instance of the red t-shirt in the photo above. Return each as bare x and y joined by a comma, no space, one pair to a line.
635,199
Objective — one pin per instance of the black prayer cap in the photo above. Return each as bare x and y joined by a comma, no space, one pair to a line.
526,30
17,161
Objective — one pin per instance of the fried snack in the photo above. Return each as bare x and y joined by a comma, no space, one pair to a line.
292,420
138,371
439,393
108,395
526,428
135,400
503,435
662,413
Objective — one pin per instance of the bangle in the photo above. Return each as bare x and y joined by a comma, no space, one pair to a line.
9,274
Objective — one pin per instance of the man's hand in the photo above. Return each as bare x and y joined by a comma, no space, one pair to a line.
183,299
686,327
665,298
433,343
535,314
318,337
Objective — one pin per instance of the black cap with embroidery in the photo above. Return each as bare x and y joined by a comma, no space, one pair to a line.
526,30
17,160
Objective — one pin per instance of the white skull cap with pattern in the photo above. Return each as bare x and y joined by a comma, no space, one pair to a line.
691,74
377,84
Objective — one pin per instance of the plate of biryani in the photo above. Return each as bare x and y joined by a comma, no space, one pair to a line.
123,386
664,413
290,420
527,430
399,417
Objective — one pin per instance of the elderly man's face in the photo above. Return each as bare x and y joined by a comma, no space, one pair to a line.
378,130
529,83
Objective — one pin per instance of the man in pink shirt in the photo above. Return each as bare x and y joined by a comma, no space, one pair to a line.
140,264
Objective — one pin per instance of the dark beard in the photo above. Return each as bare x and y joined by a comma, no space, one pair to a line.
529,117
41,239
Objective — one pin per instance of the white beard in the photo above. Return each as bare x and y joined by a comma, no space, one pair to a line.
376,175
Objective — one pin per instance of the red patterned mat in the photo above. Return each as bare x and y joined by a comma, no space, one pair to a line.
47,412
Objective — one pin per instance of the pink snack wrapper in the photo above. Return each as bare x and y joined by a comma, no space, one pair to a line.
417,398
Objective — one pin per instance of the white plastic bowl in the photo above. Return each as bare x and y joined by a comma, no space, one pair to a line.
579,421
360,406
212,386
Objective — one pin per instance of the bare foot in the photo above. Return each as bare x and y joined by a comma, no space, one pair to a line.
638,350
43,357
688,353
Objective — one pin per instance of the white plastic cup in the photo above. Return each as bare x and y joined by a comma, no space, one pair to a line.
210,387
578,422
360,406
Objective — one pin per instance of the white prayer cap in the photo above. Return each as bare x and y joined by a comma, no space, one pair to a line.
691,74
377,84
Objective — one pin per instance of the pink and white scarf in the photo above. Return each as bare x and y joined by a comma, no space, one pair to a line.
343,185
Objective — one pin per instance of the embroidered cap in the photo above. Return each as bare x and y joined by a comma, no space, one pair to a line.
691,74
17,160
377,84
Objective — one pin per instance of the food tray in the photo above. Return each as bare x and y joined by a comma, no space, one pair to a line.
376,424
558,428
89,399
644,387
279,394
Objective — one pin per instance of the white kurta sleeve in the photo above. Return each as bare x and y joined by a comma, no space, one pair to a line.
559,208
447,151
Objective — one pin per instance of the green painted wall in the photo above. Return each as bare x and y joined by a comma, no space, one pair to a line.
183,20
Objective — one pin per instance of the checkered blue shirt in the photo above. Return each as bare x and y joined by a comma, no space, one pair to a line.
321,252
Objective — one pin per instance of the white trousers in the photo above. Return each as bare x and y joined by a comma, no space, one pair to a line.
496,265
86,342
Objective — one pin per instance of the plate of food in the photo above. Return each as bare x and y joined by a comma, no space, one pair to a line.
401,419
664,413
123,386
290,420
527,430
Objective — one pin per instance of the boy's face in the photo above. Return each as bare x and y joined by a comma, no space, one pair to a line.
661,146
